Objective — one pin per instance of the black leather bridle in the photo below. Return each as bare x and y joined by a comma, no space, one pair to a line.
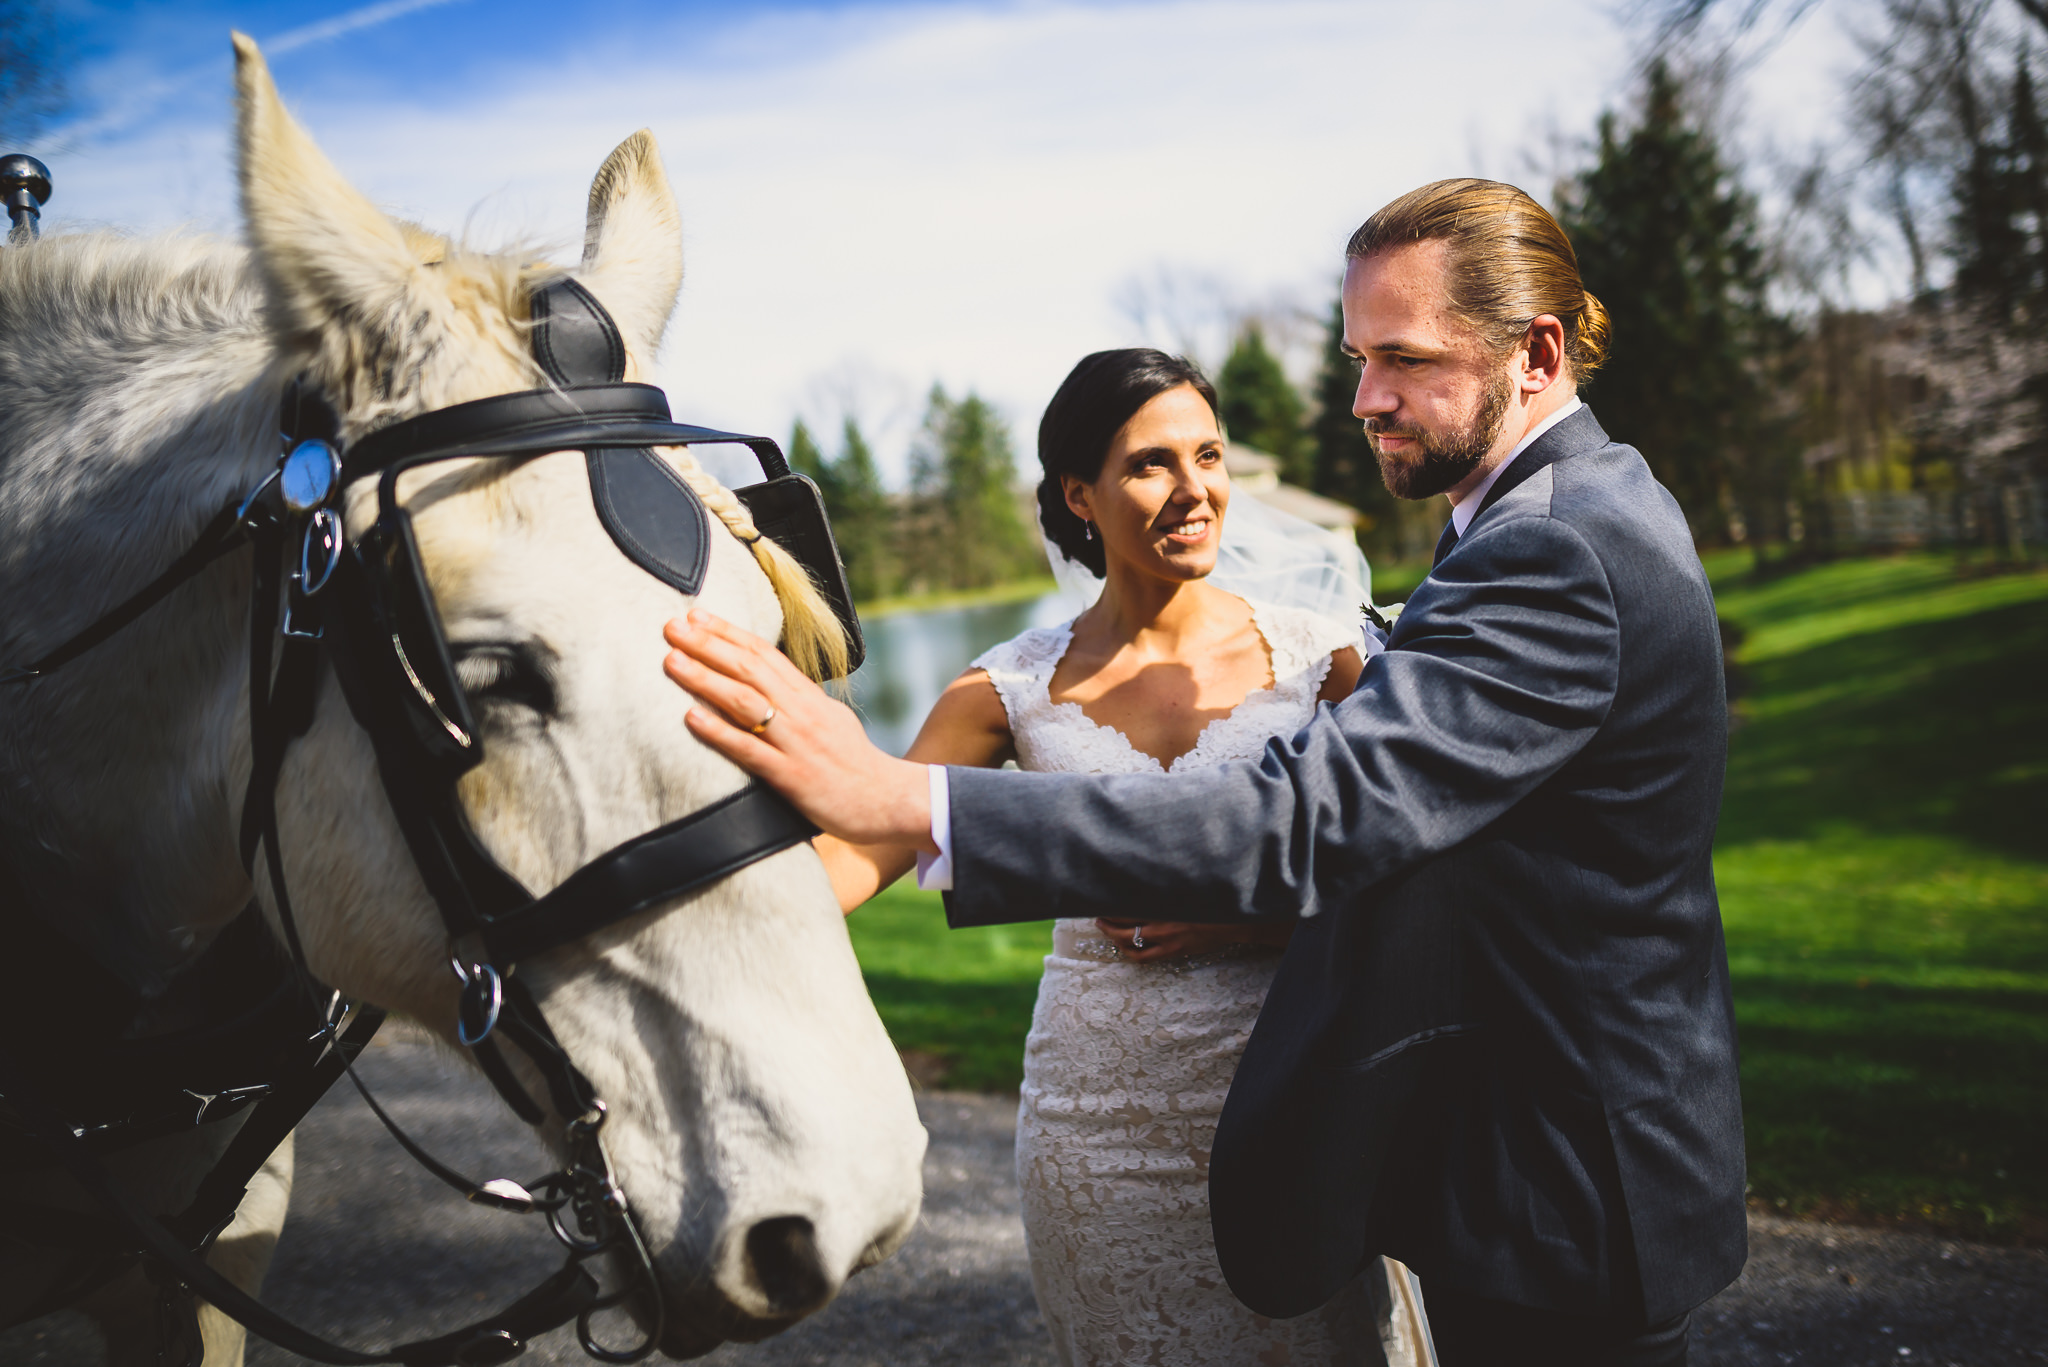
365,610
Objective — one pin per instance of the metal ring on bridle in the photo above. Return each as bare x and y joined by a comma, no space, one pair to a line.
762,725
323,531
481,1003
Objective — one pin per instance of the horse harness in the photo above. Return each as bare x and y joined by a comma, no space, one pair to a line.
365,610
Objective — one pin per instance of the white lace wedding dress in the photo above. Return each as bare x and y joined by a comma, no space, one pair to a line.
1126,1068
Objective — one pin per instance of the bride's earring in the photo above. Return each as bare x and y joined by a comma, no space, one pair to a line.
1090,533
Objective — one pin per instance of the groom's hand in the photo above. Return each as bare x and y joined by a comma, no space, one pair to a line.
764,715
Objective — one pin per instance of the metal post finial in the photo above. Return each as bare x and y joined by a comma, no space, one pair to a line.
25,185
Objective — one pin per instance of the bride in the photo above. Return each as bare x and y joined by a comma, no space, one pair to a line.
1139,1027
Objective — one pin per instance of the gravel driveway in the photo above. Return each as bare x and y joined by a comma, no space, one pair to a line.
376,1252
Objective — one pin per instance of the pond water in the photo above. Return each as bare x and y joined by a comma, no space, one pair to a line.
912,656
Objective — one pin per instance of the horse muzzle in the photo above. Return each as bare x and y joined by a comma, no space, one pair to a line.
763,1276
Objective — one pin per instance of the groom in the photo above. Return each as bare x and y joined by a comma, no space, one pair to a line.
1500,1046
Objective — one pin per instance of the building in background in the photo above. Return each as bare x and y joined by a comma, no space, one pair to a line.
1257,474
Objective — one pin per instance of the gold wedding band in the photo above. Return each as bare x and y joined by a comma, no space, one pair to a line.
762,725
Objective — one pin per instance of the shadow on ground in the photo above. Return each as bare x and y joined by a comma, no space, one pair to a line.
376,1252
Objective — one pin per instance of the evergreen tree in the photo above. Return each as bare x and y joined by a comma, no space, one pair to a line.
1345,468
2027,201
865,519
859,510
970,531
1261,408
804,456
1669,244
2001,213
2028,150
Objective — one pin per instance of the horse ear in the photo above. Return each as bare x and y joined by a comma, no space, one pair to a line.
330,258
633,241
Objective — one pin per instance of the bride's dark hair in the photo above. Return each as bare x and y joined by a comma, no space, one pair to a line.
1090,407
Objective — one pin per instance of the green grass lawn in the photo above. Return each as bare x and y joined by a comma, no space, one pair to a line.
961,998
1394,583
1884,879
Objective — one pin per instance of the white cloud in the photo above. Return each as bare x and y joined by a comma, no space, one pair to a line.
366,16
877,199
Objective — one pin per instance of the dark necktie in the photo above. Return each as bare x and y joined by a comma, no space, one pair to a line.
1444,543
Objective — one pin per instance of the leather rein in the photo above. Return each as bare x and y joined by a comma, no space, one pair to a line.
364,610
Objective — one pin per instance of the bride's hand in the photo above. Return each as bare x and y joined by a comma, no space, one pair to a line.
1172,939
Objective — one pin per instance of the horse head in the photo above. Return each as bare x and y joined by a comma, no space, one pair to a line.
760,1122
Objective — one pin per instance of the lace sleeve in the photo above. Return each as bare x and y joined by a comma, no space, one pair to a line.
1302,643
1021,668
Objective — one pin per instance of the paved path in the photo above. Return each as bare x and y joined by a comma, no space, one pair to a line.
377,1252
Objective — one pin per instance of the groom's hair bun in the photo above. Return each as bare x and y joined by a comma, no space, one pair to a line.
1090,407
1510,263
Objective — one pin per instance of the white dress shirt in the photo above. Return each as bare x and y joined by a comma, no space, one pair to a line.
935,871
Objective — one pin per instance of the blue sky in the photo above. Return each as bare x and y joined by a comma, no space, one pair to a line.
878,196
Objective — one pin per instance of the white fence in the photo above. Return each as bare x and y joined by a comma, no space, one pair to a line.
2012,518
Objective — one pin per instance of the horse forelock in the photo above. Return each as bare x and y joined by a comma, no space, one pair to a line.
458,331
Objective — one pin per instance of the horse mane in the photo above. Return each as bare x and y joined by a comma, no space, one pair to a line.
139,284
113,345
811,631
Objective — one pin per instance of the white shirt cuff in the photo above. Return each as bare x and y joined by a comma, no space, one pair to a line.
935,871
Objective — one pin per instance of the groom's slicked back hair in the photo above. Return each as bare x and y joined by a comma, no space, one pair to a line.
1510,263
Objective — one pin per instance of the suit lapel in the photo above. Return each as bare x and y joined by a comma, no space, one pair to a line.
1579,433
1576,435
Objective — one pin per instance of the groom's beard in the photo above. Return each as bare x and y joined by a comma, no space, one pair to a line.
1441,461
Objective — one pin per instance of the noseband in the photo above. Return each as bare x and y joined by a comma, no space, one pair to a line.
366,611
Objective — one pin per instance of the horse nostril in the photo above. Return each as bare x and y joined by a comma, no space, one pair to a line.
783,1253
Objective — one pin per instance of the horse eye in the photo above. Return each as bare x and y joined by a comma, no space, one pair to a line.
513,674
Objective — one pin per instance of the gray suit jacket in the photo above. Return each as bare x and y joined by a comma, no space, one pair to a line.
1500,1045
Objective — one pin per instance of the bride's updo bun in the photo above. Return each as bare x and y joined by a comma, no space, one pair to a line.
1091,406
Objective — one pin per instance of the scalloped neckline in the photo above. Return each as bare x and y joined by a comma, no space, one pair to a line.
1066,643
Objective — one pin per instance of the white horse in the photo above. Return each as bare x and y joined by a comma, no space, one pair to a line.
748,1076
